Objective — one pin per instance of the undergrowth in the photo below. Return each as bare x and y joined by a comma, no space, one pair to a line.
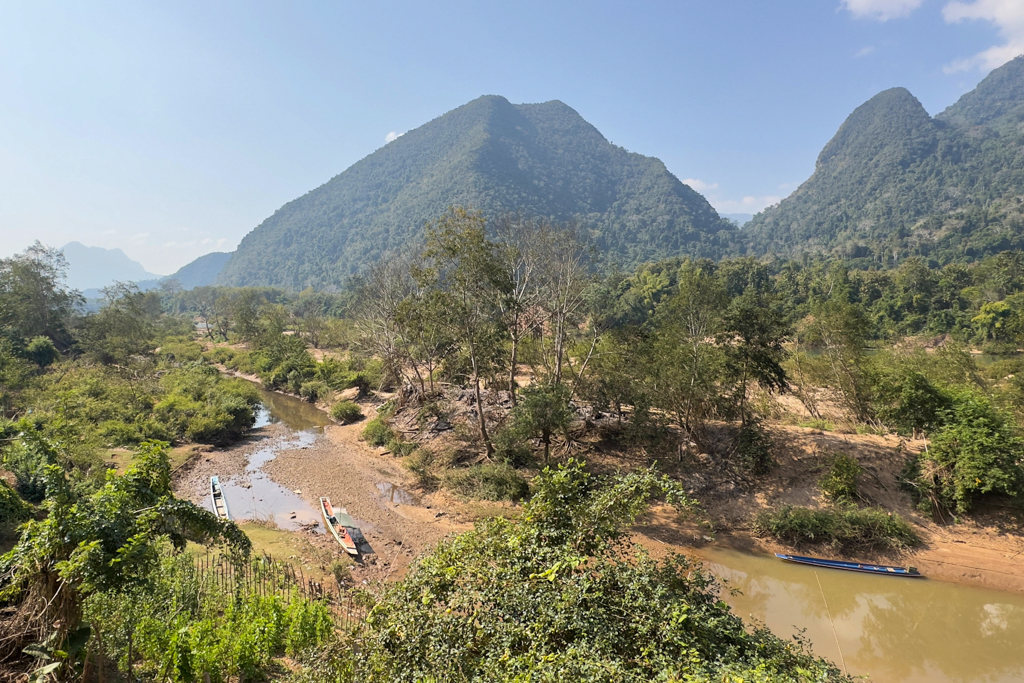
840,528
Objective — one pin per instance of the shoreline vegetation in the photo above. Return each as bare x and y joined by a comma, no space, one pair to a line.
501,371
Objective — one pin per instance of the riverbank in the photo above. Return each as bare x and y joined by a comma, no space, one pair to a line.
982,550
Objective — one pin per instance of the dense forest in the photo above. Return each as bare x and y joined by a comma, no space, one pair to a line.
540,159
509,330
895,182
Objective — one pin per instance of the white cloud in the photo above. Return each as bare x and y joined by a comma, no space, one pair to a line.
392,136
881,10
864,51
1007,15
748,204
700,185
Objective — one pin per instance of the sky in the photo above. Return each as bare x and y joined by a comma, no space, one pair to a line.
171,129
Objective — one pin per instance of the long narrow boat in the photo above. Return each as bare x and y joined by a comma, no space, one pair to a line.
885,570
220,503
336,523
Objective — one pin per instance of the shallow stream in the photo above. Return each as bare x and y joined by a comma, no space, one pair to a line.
887,628
254,495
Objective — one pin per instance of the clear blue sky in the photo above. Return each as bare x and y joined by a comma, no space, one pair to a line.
171,129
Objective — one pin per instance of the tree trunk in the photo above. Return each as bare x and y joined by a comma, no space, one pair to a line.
512,370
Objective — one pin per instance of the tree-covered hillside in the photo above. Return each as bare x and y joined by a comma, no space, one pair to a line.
542,160
895,182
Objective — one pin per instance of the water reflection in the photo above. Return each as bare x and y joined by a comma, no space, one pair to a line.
889,629
254,495
295,413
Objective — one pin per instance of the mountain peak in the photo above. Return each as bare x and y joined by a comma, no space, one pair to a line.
542,159
892,126
998,100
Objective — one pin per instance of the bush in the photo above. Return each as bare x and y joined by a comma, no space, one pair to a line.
314,390
489,481
346,412
377,433
401,448
840,528
907,401
840,482
976,452
42,352
754,447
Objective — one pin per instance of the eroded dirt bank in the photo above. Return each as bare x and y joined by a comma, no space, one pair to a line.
985,549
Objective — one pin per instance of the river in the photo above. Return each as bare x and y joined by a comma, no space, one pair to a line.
254,495
889,629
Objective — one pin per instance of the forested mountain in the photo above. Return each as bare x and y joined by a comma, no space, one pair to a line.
543,160
896,182
202,272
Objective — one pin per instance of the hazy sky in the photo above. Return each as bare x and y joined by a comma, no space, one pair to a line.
172,129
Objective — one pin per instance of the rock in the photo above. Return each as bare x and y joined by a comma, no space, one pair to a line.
350,394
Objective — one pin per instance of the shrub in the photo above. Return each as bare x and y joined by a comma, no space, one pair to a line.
347,412
754,447
975,453
840,482
840,528
401,448
42,352
314,390
908,401
489,481
377,433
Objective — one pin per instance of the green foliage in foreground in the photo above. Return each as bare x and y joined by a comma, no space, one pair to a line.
559,595
112,539
841,528
184,625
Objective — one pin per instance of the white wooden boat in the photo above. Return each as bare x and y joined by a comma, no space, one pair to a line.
341,526
220,503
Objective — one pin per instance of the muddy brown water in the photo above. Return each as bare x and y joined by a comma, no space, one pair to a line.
886,628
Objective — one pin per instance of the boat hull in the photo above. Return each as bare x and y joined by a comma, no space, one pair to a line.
862,567
340,532
220,503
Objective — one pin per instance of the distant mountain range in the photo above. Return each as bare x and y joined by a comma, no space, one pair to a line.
96,267
543,160
896,182
893,182
90,269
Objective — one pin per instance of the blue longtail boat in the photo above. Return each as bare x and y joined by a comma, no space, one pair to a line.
885,570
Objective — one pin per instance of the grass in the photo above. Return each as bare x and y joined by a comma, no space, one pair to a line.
840,528
121,458
490,481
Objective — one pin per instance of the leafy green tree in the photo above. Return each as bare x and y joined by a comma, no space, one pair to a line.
122,329
541,413
108,540
464,274
687,365
41,351
974,453
560,594
34,300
